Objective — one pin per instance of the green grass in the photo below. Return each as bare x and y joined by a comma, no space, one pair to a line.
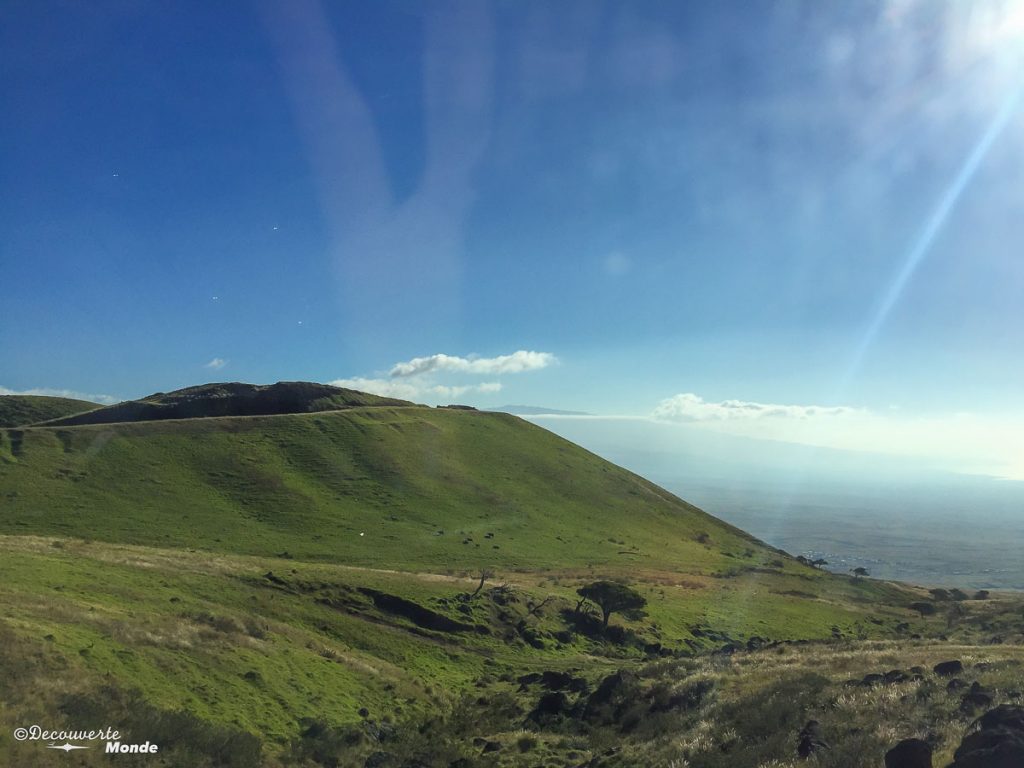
214,636
22,410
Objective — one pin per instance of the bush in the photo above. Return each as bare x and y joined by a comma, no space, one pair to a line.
526,743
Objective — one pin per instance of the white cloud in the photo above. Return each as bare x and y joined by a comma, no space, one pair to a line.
49,392
440,390
417,379
414,389
216,364
517,362
382,387
690,407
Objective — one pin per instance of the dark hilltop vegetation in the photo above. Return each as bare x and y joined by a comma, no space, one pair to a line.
300,575
232,399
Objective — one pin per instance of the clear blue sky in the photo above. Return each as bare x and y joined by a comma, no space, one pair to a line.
666,198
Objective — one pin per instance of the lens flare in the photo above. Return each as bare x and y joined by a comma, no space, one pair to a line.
931,229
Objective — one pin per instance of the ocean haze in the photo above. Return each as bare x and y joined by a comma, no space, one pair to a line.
899,518
533,410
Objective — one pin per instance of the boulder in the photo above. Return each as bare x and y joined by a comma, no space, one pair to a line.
561,681
614,694
756,643
975,698
527,680
896,676
909,753
999,742
810,741
948,668
550,707
1003,716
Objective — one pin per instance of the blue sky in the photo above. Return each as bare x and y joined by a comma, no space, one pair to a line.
660,199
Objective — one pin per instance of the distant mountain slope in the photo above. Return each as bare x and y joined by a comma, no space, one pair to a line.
21,410
398,487
232,399
533,410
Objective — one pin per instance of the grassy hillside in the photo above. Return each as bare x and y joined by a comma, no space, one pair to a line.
22,410
304,589
408,488
283,660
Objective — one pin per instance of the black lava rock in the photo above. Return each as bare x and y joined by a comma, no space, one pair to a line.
810,740
948,668
999,742
909,753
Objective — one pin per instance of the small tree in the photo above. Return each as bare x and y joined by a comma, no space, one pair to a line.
612,597
485,574
859,571
819,562
534,609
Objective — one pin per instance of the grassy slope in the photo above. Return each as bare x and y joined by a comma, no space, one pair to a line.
137,555
417,482
22,410
213,635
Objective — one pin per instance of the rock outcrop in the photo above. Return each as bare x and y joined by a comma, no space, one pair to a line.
998,742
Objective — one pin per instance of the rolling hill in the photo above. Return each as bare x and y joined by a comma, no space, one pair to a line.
22,410
300,583
400,487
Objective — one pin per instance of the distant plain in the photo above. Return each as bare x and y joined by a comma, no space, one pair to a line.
898,519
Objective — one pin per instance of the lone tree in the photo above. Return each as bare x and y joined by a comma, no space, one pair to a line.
819,562
612,597
859,571
485,574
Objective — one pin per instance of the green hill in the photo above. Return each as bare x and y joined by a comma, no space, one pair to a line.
22,410
265,581
399,487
